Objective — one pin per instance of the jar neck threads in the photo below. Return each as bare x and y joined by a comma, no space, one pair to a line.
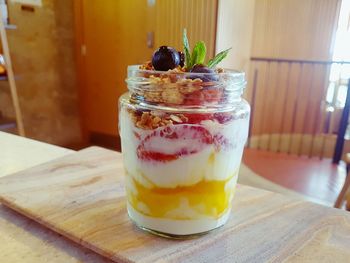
185,90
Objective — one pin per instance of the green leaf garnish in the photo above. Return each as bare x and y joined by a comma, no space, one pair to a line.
198,53
186,50
218,58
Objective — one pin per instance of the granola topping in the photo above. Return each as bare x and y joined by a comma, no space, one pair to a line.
149,120
167,89
147,66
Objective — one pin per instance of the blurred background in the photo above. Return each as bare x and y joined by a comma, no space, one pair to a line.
63,67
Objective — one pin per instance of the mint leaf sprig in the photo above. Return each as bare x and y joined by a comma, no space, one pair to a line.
199,53
187,50
218,58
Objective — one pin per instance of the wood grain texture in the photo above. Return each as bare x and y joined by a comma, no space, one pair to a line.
21,239
199,17
114,34
24,240
296,29
293,29
81,196
18,153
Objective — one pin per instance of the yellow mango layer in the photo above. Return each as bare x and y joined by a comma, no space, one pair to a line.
206,198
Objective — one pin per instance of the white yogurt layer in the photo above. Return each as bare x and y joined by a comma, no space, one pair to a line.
209,163
177,227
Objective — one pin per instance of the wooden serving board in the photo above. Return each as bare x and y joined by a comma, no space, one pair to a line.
81,196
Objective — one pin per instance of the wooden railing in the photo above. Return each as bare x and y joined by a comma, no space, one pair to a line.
290,112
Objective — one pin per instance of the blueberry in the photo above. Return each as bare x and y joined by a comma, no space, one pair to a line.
182,58
165,58
199,68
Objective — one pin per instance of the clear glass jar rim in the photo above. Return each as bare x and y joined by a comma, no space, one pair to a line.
234,77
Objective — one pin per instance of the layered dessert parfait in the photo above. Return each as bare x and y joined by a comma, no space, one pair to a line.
183,127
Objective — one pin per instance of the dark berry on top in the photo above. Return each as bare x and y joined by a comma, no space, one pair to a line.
165,58
199,68
182,58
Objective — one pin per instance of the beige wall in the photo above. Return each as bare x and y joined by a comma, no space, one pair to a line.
235,29
42,53
296,29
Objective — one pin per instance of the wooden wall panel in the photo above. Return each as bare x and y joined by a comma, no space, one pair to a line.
290,96
114,34
290,100
295,29
197,16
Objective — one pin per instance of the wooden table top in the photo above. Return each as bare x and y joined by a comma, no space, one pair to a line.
21,239
319,234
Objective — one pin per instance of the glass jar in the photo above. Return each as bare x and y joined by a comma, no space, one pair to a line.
182,138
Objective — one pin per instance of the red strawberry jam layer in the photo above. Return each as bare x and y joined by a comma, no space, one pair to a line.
185,140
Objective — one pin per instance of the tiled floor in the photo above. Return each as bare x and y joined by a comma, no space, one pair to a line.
319,179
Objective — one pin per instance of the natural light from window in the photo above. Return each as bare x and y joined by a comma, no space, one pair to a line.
340,73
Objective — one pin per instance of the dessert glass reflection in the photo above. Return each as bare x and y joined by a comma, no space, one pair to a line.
182,138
